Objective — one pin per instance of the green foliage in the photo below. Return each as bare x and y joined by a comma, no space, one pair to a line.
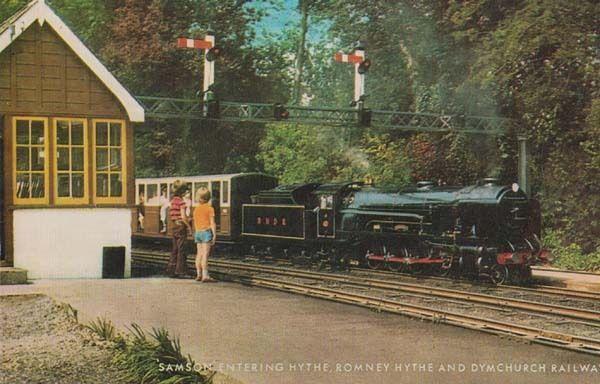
69,310
451,159
152,358
146,359
9,7
570,256
387,164
298,154
103,328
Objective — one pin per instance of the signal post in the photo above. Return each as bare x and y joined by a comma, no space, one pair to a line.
361,66
211,52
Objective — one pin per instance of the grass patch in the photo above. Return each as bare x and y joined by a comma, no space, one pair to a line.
103,328
151,358
69,310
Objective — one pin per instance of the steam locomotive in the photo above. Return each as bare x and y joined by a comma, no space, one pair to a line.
485,230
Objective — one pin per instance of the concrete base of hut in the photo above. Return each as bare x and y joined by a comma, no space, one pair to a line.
11,276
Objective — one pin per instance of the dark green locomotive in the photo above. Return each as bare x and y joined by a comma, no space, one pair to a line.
482,230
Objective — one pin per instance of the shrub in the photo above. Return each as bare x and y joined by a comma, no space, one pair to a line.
103,328
571,256
145,358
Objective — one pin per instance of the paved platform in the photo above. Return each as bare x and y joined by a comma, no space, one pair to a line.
572,280
262,336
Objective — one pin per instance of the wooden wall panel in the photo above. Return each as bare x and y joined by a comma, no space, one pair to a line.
41,75
130,170
50,72
8,188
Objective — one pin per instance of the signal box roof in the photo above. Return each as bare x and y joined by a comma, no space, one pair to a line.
38,10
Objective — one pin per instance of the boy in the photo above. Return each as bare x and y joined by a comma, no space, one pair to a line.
177,266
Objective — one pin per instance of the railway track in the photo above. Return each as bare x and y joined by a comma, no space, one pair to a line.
536,288
314,284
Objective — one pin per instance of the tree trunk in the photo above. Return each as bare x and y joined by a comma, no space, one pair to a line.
300,52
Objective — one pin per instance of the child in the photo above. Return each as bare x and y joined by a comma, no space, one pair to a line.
187,198
164,203
177,264
141,213
206,234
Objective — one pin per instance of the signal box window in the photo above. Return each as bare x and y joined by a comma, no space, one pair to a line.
70,169
109,161
30,146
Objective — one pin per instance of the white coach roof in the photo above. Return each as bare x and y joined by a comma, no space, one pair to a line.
39,11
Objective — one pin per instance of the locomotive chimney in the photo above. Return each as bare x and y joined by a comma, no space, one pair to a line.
489,181
424,185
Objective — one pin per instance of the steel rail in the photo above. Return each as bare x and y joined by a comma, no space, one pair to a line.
537,288
444,293
479,298
531,334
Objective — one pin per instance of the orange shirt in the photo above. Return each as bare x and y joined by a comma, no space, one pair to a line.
202,215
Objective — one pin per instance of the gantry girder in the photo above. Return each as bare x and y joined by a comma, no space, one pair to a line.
169,108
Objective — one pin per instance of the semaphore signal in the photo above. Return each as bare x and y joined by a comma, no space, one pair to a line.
361,67
210,55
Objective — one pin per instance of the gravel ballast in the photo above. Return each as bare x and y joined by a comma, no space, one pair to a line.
41,342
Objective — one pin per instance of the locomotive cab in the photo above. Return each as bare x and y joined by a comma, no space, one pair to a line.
330,198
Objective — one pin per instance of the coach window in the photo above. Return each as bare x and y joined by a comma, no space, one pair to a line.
152,194
225,194
164,191
30,169
70,166
109,156
141,193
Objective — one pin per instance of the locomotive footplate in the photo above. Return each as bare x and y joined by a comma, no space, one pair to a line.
406,260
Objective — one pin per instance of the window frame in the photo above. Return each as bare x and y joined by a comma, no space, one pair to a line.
39,200
225,195
120,200
70,200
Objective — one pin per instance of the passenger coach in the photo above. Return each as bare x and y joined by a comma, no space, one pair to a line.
229,193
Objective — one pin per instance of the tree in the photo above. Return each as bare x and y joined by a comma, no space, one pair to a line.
142,51
300,154
306,8
540,59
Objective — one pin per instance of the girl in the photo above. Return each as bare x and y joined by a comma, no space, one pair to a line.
206,233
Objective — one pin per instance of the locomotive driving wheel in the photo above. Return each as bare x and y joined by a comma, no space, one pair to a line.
444,268
396,266
498,274
373,264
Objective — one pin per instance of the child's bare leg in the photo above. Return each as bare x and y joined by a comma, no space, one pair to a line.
199,260
205,252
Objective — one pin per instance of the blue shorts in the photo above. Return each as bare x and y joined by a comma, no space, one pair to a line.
205,236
